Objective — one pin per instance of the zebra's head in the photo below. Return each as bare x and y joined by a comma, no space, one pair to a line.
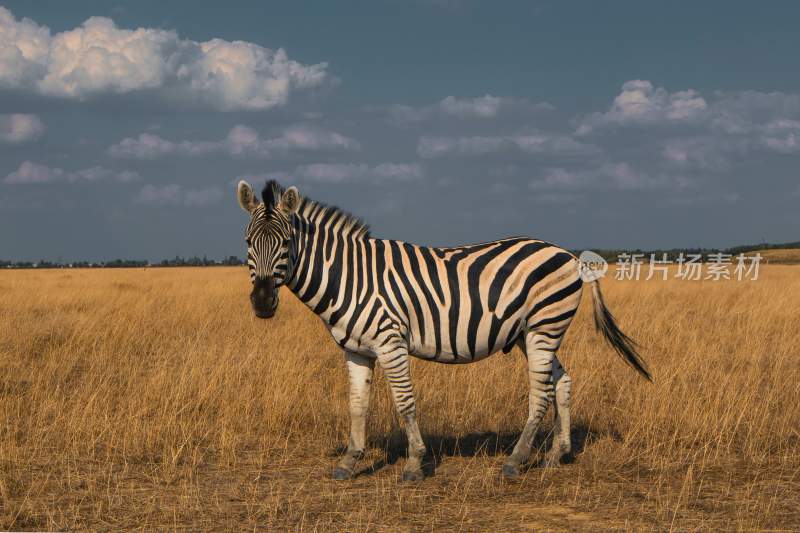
268,238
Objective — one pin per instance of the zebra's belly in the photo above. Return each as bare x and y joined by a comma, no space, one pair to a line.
458,342
464,351
444,353
448,358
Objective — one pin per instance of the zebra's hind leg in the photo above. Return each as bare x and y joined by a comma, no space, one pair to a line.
397,368
540,353
562,443
359,370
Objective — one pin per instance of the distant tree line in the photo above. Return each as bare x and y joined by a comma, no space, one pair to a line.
195,261
231,260
178,261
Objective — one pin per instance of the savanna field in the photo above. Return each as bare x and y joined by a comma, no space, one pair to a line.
153,399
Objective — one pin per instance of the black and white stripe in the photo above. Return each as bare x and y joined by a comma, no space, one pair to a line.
385,300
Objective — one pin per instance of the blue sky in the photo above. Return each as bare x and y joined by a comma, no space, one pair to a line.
124,126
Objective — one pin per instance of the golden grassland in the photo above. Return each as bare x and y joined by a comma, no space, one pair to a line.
154,399
788,256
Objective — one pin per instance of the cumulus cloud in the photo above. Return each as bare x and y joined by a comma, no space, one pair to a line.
146,146
705,153
754,120
244,140
740,112
781,135
642,103
20,128
362,173
611,175
30,173
530,143
98,57
767,119
241,141
430,147
705,134
175,195
481,107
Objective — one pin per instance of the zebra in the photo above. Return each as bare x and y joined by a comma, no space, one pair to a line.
386,300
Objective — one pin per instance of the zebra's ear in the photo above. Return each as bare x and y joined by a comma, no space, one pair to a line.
290,200
246,196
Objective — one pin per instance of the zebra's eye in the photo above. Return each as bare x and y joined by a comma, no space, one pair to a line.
248,242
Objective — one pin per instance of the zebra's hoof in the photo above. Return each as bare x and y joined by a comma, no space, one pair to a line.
510,471
340,474
550,462
413,475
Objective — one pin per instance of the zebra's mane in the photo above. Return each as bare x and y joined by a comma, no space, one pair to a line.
314,210
352,225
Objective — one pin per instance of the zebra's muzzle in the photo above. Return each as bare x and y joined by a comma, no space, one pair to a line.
265,313
264,297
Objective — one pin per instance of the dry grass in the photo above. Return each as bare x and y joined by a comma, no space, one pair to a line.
786,256
154,399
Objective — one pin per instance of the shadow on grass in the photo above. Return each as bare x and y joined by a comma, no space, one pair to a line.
489,444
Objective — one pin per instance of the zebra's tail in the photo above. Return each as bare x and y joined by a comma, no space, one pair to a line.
622,344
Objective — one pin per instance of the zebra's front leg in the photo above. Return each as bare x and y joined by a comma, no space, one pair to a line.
397,368
540,379
359,370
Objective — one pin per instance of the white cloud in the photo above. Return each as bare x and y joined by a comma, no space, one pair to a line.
706,153
430,147
97,57
781,135
19,128
398,171
481,107
348,173
531,143
539,143
30,173
768,120
175,195
625,177
713,133
33,173
642,103
740,113
241,141
127,176
754,120
611,175
146,146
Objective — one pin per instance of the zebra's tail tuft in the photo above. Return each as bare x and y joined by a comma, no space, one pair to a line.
622,344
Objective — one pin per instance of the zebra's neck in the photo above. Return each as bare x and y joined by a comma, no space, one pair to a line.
327,246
